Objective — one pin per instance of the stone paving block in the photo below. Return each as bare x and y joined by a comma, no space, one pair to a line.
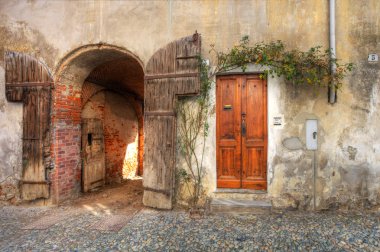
113,222
47,221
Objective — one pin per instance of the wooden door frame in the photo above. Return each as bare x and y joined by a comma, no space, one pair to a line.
237,73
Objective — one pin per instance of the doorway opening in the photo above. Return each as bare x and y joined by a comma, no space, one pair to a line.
112,123
241,133
98,119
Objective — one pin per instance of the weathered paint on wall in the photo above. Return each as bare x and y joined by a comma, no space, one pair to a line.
10,145
348,158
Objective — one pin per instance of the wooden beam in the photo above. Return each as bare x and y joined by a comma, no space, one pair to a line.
170,76
29,84
159,113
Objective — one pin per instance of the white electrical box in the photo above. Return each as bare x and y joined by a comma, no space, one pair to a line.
312,134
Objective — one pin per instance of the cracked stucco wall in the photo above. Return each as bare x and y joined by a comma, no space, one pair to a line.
10,146
348,158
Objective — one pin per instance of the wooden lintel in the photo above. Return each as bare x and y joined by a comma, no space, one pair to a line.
29,84
165,192
169,76
159,113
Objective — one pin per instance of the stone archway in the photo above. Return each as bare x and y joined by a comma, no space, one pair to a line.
105,67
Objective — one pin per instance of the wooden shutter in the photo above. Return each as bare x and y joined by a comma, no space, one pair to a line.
28,81
173,70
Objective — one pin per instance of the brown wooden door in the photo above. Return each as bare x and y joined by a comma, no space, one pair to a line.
94,171
241,132
173,70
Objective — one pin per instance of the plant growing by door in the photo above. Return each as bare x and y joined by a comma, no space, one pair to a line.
193,130
311,67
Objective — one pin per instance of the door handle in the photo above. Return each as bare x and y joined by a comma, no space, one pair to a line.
243,127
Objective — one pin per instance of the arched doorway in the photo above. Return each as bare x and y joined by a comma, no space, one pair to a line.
102,83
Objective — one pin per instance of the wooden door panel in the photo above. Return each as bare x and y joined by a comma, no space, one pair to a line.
228,133
228,175
255,110
93,154
254,171
254,142
228,91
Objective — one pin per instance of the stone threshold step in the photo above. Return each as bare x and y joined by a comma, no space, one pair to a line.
237,205
240,191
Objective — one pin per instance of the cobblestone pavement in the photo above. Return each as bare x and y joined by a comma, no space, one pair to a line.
151,230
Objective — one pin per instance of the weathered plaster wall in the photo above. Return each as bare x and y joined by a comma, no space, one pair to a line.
120,133
348,159
10,145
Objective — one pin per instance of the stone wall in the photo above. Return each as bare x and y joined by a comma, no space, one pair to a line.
348,158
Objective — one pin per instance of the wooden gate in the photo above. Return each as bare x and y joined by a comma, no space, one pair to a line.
94,167
173,70
241,132
28,81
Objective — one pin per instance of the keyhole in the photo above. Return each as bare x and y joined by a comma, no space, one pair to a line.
314,135
89,139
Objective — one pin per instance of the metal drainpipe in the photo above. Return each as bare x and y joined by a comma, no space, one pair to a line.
332,90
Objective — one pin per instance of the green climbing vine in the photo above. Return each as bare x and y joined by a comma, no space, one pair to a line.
310,67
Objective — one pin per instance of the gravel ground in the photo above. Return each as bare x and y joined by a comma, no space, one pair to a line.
151,230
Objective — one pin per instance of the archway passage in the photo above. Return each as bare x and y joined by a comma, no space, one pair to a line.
98,119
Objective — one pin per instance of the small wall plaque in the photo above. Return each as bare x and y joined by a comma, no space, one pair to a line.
277,120
373,57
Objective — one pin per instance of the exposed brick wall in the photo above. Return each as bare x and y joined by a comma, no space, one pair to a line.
88,90
67,107
120,132
68,162
66,134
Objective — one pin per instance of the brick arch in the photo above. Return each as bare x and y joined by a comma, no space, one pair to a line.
89,90
69,77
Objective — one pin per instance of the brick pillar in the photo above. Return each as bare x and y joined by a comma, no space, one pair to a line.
66,140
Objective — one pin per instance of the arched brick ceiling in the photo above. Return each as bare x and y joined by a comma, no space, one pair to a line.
123,75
